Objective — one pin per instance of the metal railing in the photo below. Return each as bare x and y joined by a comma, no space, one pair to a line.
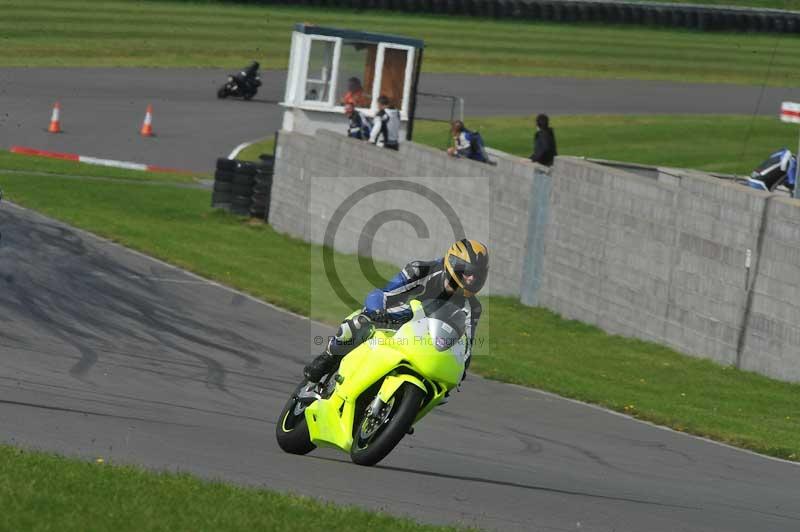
425,112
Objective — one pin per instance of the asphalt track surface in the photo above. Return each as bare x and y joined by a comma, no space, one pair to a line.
102,109
106,353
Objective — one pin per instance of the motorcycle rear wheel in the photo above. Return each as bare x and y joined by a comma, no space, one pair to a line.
372,444
291,430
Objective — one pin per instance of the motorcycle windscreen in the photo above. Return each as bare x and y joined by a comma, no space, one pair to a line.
447,323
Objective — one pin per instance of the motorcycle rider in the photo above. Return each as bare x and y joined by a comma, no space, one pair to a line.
247,79
359,126
457,278
386,126
250,72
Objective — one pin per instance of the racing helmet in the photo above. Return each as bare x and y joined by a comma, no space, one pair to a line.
467,263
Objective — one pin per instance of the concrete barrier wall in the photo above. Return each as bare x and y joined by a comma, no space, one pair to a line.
706,266
492,202
650,260
771,344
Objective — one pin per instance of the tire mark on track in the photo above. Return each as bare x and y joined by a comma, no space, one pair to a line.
519,485
65,392
91,413
80,309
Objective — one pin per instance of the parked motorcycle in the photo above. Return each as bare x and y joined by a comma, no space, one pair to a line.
381,388
245,84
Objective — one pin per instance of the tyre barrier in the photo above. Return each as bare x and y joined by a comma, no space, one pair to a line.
702,18
243,187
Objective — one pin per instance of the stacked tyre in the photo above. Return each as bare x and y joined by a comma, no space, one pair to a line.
243,182
222,196
262,188
243,187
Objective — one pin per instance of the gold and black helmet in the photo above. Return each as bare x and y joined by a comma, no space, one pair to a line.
467,262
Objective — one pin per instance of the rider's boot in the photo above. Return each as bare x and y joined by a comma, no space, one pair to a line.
350,334
319,367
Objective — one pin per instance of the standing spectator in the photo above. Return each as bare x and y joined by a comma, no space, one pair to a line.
544,142
386,126
355,94
359,126
466,143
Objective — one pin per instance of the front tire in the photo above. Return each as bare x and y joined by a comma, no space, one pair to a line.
371,444
291,431
222,92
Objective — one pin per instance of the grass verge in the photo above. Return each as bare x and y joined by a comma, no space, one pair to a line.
528,346
712,143
192,34
790,5
41,492
252,152
44,165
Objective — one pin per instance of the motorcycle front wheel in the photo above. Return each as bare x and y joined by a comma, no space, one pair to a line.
380,432
222,92
291,431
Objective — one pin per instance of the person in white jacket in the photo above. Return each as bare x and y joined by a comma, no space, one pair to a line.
386,126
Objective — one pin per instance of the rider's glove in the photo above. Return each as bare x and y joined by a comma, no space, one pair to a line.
358,328
375,315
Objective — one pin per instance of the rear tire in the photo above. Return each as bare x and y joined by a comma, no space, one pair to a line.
369,450
291,431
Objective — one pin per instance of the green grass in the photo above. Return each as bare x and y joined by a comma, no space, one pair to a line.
790,5
40,492
18,162
164,34
252,152
529,346
713,143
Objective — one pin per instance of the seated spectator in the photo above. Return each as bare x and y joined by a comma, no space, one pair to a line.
544,142
359,127
386,126
355,94
466,143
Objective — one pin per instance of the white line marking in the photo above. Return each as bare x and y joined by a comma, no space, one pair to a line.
305,318
115,164
238,149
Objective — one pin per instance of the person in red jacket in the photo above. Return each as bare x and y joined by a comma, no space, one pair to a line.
355,94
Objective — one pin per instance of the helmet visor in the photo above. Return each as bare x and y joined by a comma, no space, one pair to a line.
471,276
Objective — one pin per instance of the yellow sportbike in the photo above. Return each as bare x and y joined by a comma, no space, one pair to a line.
381,388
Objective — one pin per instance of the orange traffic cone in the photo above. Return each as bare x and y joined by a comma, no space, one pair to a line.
55,119
147,125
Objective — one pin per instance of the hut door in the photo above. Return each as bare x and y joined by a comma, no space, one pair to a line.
394,71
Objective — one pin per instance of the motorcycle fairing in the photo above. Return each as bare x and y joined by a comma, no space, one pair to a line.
403,356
